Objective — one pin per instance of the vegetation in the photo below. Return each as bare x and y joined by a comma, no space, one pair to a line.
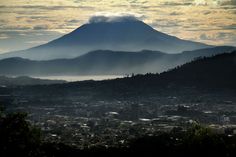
18,136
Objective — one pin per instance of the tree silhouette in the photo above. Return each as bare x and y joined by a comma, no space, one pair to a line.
17,136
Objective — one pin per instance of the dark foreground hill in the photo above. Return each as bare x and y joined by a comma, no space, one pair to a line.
217,72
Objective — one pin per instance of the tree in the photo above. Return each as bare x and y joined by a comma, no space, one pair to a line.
17,136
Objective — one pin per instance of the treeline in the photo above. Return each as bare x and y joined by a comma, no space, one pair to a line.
19,138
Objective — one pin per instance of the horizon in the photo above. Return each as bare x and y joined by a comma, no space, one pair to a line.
26,24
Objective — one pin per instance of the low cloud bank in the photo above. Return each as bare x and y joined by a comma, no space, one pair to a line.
98,19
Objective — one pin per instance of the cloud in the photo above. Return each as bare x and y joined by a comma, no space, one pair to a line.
37,42
16,27
41,27
171,3
204,37
73,21
44,7
25,39
175,13
214,2
111,19
165,24
207,12
230,27
3,36
37,17
229,2
222,35
2,50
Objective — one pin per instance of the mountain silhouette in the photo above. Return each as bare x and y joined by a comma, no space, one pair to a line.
105,62
215,72
209,75
120,34
25,80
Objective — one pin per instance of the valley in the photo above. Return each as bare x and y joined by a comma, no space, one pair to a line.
97,110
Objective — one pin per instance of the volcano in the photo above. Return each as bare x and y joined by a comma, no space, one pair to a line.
125,33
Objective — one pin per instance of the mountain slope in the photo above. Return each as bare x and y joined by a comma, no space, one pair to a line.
208,75
24,80
93,63
207,72
128,34
216,71
105,63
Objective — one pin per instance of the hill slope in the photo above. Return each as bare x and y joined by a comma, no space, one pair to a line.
24,80
105,63
209,75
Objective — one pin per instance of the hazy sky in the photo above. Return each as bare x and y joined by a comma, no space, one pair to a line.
26,23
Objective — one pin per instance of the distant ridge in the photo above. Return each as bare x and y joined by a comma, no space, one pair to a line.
106,33
105,62
25,80
204,75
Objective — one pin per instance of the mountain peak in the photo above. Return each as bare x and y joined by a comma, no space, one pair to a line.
116,33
